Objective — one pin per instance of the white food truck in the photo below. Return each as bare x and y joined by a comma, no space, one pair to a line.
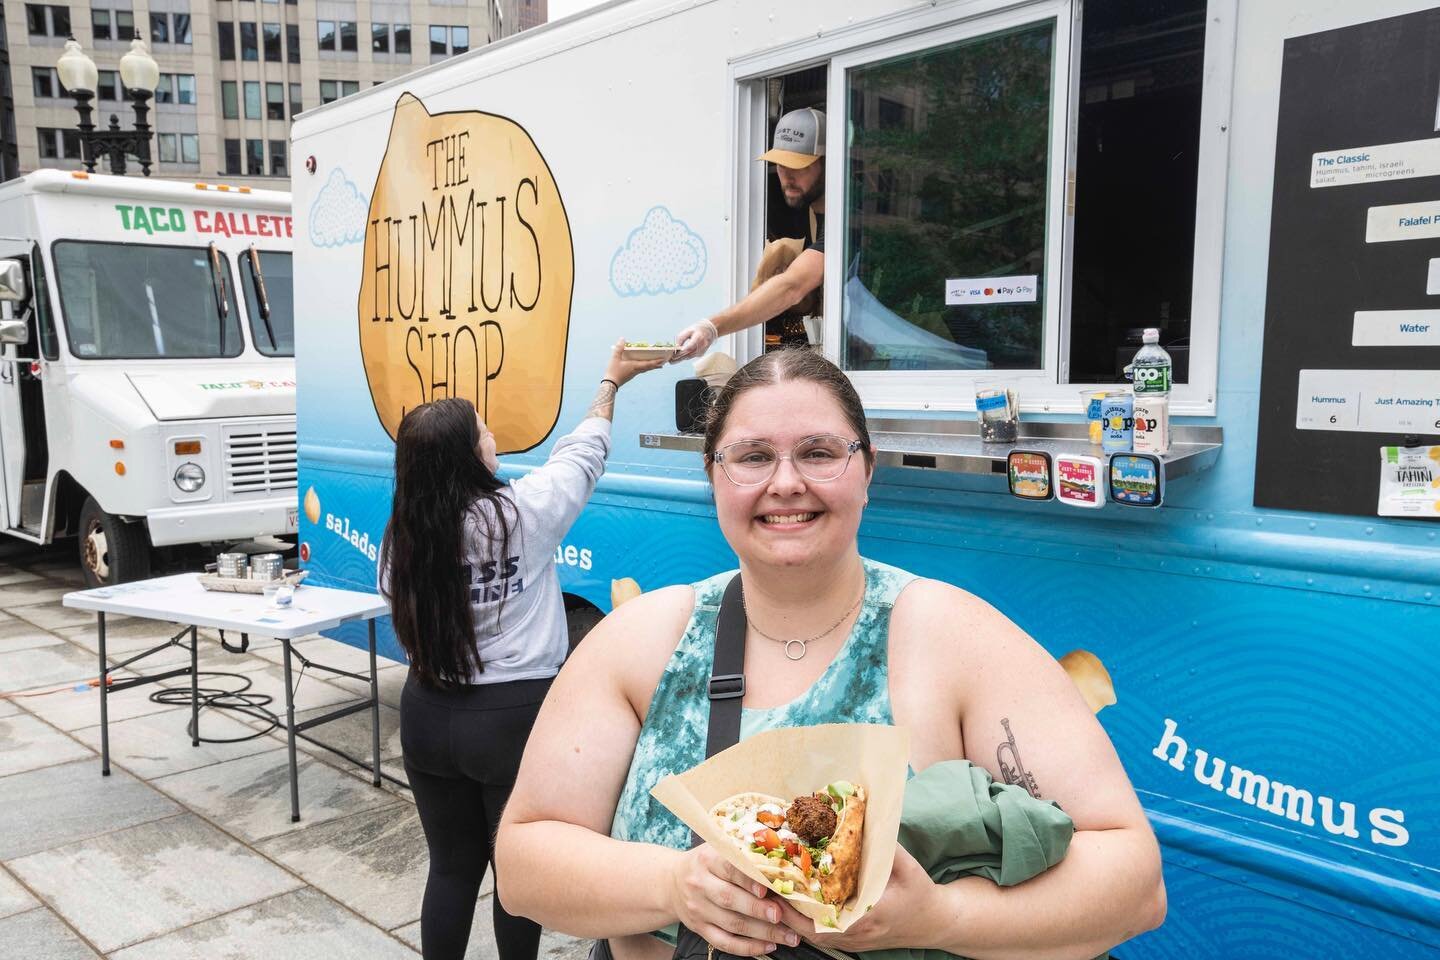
147,379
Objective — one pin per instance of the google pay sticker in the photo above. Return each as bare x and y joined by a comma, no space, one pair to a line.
467,274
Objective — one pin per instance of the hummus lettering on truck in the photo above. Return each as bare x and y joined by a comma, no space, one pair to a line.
467,274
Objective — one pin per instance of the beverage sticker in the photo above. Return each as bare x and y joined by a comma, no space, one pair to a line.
1410,482
1030,477
1135,479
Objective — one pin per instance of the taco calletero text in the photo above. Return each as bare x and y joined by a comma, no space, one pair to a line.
809,847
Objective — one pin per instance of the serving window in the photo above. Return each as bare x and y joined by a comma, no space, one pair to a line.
1012,196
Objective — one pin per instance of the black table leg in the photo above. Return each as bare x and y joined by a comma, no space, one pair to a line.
290,737
194,688
104,699
374,707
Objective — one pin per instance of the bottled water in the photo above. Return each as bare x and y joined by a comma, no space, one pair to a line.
1151,367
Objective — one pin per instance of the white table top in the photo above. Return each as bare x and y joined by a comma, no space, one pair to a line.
181,598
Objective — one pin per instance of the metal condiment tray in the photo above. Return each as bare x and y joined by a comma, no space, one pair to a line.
955,445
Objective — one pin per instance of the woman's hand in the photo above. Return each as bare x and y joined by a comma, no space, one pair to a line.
622,371
896,919
714,899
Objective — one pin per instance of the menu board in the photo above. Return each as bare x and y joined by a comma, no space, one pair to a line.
1352,313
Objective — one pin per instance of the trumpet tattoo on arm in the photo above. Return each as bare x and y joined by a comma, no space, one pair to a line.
1007,758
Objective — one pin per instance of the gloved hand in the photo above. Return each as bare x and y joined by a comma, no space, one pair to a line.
694,340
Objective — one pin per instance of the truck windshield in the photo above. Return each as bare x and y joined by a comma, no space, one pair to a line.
130,301
274,336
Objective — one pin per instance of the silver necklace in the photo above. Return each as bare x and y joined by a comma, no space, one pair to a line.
822,634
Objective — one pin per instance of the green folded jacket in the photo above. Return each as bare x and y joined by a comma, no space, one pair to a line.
958,822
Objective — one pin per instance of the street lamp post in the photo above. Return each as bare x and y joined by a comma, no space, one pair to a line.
140,74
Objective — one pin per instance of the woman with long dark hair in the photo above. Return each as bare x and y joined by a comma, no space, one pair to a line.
467,565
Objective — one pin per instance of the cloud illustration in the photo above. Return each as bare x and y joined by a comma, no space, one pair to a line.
338,215
662,255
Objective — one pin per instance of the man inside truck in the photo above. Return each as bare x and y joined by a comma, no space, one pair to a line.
798,153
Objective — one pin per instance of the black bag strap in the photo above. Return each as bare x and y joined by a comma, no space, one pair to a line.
727,677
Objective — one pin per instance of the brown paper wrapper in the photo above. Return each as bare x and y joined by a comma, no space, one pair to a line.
794,761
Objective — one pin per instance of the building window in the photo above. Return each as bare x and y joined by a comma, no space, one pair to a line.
225,30
328,91
46,20
57,144
166,142
181,32
249,50
459,39
185,88
99,24
348,37
252,100
124,25
272,42
277,158
255,158
275,101
296,99
47,82
165,88
292,42
48,149
230,99
347,87
380,37
438,38
402,38
189,148
232,157
325,34
107,87
159,28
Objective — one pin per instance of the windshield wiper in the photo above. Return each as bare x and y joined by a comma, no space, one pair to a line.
222,300
257,280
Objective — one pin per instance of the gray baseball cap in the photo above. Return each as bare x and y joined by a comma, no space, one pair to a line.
799,139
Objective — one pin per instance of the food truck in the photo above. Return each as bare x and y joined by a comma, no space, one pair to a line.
147,380
1015,191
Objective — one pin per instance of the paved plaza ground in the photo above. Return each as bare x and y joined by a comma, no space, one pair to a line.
189,851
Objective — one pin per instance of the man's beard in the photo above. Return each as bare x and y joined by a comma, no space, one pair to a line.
808,197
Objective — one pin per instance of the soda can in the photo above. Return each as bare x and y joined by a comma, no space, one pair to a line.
1117,415
1152,425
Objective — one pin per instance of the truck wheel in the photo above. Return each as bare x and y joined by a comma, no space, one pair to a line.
581,617
111,550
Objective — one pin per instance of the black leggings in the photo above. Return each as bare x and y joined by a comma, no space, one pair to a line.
462,751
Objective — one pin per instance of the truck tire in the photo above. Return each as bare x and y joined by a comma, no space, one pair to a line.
111,550
581,617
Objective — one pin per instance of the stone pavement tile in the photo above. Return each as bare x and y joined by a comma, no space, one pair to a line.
311,690
374,862
13,897
251,796
391,681
158,745
302,925
553,946
29,743
19,635
350,734
134,884
333,653
13,575
56,805
51,616
71,709
28,594
40,935
130,635
9,707
46,667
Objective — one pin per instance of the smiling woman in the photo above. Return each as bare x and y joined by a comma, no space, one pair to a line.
832,637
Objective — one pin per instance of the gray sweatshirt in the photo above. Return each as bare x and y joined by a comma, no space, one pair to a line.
530,639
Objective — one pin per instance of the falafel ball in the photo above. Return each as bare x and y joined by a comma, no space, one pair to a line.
812,818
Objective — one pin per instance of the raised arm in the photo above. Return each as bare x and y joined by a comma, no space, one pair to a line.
770,299
1021,708
555,859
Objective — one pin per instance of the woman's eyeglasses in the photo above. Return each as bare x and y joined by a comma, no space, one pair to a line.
748,463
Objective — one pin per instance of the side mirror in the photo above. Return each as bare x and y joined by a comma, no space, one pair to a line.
12,280
14,331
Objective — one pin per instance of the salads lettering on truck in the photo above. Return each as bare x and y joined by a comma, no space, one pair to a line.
468,233
150,325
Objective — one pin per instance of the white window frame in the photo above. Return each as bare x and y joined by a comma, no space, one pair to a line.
1047,389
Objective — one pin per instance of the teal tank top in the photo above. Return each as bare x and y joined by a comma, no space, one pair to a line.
853,689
